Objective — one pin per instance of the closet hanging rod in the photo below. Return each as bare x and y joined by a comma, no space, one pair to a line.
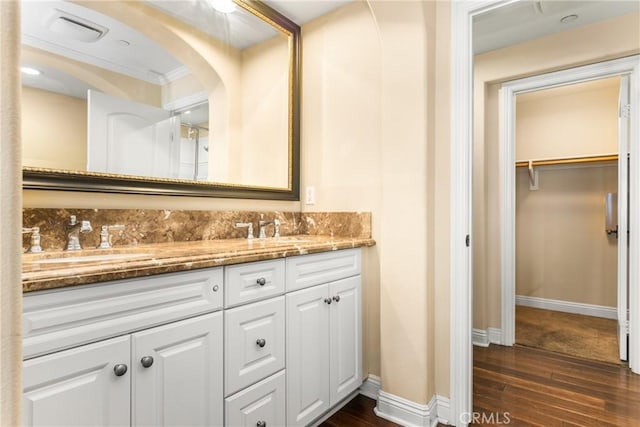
568,161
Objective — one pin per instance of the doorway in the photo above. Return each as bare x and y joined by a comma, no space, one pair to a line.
464,105
566,144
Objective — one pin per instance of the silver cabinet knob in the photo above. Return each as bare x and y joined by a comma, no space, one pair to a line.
261,281
120,369
336,298
261,342
146,361
215,288
261,424
327,300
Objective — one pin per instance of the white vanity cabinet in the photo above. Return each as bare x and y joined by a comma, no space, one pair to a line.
279,347
163,375
324,336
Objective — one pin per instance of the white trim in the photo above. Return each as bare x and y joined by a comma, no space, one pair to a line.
617,67
568,306
634,218
135,72
461,126
187,101
443,410
177,73
405,412
484,337
370,387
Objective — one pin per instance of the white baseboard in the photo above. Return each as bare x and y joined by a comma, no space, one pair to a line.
443,410
484,337
568,306
405,412
370,387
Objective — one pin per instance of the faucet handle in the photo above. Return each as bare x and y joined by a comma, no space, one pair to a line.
105,237
72,220
276,228
85,226
34,246
249,227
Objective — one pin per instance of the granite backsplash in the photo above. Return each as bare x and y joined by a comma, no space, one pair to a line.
144,226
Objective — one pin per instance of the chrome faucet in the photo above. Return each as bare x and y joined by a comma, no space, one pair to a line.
74,228
263,224
105,237
34,246
249,227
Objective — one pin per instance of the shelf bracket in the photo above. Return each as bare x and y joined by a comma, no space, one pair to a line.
533,176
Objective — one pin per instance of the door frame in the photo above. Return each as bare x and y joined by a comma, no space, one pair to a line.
461,128
628,66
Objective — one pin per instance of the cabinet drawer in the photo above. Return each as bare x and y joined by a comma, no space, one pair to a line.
264,401
253,281
63,318
254,343
309,270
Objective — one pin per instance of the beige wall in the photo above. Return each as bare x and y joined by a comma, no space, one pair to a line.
570,121
11,247
54,130
609,39
562,250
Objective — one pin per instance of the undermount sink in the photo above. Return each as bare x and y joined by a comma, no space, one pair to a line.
87,258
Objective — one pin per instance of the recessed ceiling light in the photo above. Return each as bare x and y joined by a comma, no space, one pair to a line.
568,18
123,43
30,71
223,6
187,112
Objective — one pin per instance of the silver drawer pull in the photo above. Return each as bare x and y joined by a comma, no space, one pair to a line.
146,361
336,298
261,342
261,424
215,288
261,281
327,300
120,369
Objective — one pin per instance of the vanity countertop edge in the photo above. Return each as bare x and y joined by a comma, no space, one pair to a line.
39,273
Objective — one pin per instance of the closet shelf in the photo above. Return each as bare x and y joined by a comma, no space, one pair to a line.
567,161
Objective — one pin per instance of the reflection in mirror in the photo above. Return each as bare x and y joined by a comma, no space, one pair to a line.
159,89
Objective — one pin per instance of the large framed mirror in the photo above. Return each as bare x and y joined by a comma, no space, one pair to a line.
172,97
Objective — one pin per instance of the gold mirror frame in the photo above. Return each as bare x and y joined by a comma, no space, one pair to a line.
54,179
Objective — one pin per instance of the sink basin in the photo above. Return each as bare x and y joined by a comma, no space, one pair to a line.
88,258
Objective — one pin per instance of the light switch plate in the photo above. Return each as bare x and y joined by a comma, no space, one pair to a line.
310,195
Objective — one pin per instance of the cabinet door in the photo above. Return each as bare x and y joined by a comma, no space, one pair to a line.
78,387
345,338
262,404
182,384
307,355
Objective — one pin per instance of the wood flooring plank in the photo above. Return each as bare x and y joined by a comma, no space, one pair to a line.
545,388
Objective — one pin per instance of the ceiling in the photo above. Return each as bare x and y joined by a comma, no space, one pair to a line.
525,20
142,58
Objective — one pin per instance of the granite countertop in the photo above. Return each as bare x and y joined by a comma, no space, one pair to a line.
58,269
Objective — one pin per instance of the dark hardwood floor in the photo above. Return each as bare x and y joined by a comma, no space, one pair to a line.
357,413
535,388
541,388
